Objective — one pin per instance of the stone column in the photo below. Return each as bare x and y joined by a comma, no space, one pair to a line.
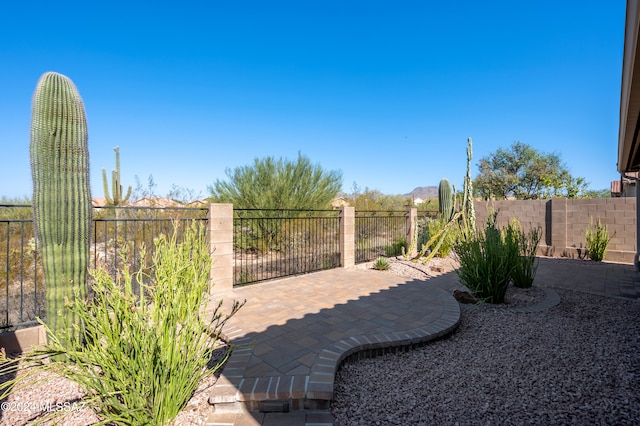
347,236
220,235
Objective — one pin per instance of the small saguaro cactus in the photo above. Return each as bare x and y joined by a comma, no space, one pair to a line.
116,199
61,193
445,200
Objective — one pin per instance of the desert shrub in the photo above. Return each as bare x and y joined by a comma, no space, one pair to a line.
396,248
526,264
138,358
487,262
449,239
597,239
381,264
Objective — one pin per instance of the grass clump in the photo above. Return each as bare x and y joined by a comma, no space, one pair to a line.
597,239
496,257
526,265
143,348
487,261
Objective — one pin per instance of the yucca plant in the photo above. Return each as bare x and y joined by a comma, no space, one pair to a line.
140,356
597,239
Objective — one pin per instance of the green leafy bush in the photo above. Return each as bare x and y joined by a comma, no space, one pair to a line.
487,262
396,248
597,239
381,264
142,350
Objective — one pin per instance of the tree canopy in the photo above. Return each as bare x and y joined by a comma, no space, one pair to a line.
372,200
525,173
271,183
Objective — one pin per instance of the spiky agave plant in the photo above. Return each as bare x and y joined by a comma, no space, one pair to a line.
61,193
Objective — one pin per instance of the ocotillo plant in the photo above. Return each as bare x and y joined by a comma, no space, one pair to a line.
61,193
116,199
445,200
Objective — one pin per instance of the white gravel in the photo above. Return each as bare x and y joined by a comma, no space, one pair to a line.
577,363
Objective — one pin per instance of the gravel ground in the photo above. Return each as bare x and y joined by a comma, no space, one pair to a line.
577,363
34,403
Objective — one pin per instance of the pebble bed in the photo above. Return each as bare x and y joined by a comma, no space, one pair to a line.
575,363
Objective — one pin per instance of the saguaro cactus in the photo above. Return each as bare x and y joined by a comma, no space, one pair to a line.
445,200
116,199
61,192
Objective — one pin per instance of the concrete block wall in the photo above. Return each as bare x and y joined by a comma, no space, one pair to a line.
531,213
564,221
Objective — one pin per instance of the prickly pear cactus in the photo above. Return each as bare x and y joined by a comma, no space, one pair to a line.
61,193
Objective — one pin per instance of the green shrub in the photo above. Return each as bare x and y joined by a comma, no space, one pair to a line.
487,262
450,237
396,248
526,264
597,238
381,264
141,353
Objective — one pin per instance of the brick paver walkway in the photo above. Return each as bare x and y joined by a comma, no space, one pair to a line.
293,333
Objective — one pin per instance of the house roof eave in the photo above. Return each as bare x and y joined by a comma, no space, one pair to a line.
628,138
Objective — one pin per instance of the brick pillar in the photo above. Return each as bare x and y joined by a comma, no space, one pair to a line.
220,234
412,216
347,236
559,225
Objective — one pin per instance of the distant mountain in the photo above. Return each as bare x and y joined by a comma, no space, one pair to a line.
423,192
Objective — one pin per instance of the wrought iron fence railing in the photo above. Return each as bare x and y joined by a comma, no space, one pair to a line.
267,244
278,243
379,233
117,231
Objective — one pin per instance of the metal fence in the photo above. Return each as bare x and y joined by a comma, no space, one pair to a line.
379,233
278,243
117,232
267,244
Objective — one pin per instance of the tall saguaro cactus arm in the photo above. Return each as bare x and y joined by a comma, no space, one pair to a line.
116,199
61,192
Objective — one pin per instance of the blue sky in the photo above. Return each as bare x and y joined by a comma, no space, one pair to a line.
387,92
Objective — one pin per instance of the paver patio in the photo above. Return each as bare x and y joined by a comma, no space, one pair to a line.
292,334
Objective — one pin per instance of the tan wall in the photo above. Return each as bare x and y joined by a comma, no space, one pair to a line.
564,221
